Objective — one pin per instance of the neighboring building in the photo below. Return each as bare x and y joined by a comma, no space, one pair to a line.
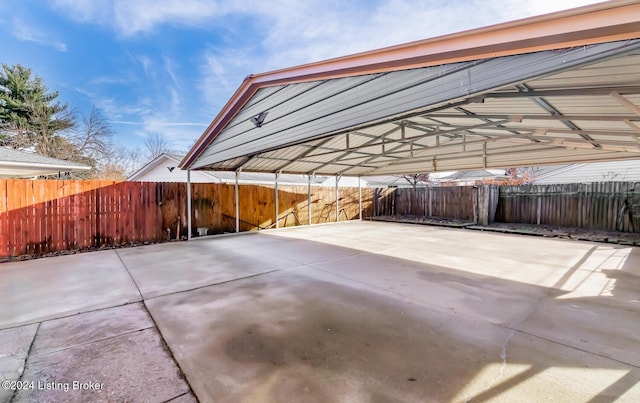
25,164
164,168
613,171
392,181
469,178
388,181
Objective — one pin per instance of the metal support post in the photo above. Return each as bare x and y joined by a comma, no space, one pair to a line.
359,200
309,199
337,203
237,202
188,206
276,197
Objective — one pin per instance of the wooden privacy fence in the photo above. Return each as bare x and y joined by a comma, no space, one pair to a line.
609,206
457,202
46,216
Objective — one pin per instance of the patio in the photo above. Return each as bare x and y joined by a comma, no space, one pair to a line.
356,311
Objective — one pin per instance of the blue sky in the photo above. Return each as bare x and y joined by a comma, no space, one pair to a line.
168,66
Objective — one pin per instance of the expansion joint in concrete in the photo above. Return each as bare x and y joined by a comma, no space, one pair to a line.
96,340
24,367
155,324
575,348
173,399
219,283
129,273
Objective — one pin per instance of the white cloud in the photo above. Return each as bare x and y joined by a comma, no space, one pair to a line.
108,80
180,135
26,32
222,71
169,66
272,34
549,6
91,11
133,17
142,61
300,31
315,31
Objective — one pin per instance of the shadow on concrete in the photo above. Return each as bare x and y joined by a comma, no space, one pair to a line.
381,328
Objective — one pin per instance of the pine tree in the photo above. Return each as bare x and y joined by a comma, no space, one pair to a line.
30,116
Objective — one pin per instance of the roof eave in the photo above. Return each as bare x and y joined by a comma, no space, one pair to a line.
598,23
29,165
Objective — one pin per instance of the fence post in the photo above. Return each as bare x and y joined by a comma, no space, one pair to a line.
487,204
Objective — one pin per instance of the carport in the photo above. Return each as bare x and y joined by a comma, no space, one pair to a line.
560,88
369,311
557,88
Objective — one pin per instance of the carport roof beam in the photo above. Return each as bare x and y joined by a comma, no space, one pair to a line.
624,101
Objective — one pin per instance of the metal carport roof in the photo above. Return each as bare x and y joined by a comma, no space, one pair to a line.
559,88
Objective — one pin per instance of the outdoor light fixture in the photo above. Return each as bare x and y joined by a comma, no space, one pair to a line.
259,118
171,169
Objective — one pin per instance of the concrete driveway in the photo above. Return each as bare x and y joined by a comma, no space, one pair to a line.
350,312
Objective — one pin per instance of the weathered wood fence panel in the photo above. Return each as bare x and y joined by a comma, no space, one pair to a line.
42,216
457,202
609,206
45,216
214,207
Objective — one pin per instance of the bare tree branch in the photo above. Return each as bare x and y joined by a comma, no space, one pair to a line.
94,137
415,179
156,144
119,163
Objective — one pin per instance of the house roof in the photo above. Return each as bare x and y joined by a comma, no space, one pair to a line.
627,171
24,164
545,90
470,175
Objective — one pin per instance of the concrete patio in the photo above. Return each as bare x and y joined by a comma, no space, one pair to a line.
350,312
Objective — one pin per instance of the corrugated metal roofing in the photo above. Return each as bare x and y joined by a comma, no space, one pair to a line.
554,106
